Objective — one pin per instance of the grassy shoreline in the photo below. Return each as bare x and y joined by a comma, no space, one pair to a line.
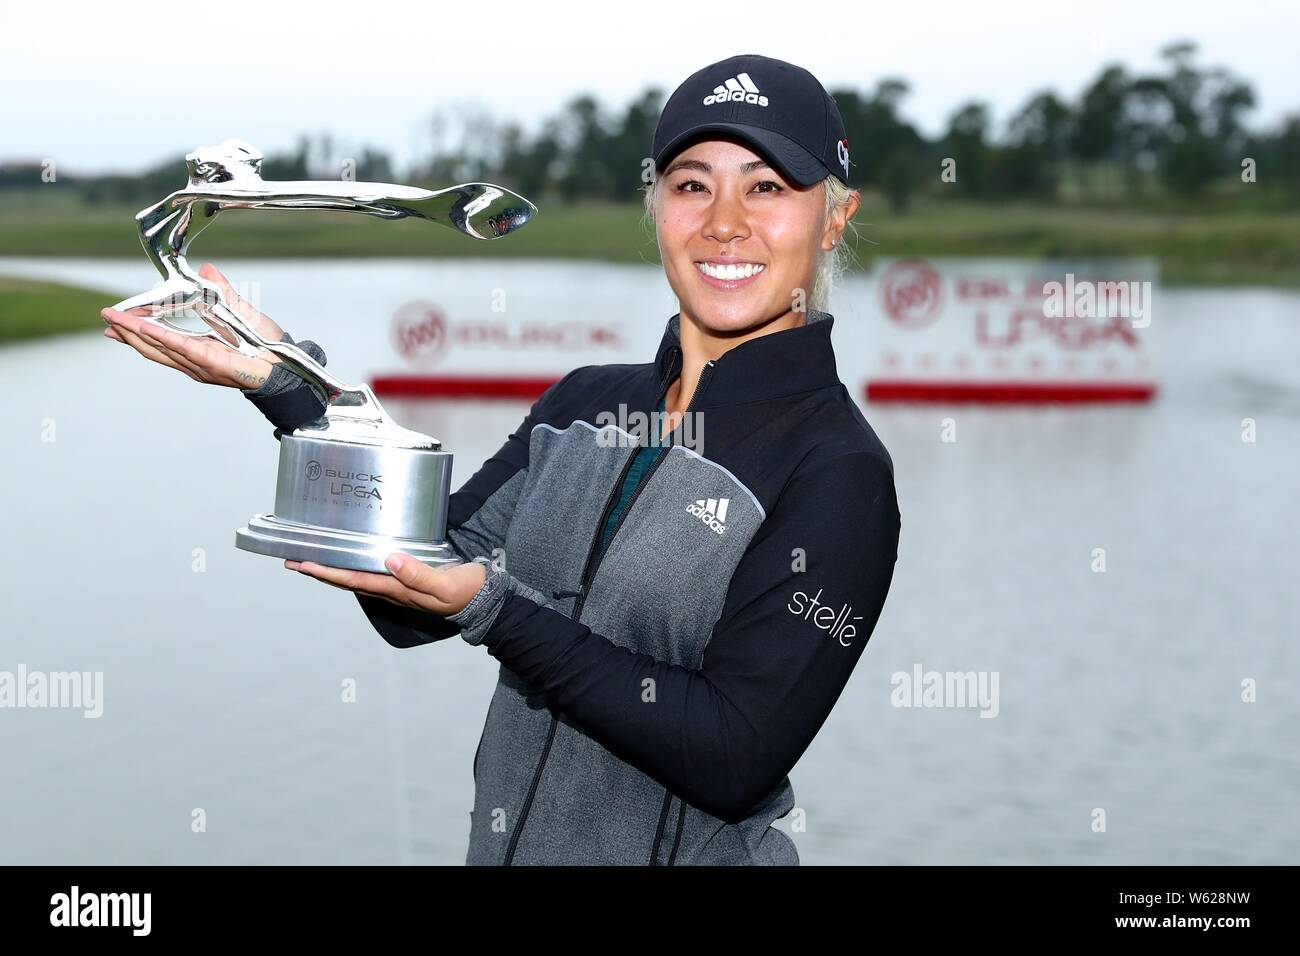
1218,247
1213,245
33,309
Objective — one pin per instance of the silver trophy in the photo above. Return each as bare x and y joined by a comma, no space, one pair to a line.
355,486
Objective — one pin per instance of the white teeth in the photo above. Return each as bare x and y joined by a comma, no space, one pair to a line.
731,272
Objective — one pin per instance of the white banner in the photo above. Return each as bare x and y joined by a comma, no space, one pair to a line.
981,328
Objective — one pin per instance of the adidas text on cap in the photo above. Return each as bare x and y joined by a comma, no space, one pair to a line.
781,110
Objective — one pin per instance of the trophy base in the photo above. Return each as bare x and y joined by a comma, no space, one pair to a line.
269,535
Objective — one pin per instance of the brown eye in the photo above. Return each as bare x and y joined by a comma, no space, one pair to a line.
682,186
776,187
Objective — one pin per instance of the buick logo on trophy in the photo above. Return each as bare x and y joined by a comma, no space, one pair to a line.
354,486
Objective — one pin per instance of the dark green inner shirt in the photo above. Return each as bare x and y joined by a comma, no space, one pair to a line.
643,460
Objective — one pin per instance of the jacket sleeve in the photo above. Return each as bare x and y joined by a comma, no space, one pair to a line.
801,605
478,517
285,398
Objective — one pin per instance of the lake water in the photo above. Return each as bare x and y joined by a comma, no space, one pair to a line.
222,688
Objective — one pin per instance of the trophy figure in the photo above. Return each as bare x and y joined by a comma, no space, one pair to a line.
354,486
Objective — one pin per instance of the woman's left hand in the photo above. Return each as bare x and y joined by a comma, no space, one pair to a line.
412,584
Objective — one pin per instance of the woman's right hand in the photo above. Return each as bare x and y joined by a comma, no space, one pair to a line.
202,359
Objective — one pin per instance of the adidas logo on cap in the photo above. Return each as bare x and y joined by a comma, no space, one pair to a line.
712,511
740,88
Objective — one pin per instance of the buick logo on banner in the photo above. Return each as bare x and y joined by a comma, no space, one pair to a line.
423,335
420,333
911,292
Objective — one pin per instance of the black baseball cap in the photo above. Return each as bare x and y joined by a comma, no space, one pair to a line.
779,109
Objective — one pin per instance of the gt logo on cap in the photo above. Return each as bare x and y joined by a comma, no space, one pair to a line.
738,88
842,150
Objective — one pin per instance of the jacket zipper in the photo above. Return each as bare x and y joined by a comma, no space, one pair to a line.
668,796
677,837
588,572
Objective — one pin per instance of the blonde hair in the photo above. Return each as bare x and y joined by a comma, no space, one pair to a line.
831,263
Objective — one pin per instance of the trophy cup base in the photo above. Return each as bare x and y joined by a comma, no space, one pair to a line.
271,536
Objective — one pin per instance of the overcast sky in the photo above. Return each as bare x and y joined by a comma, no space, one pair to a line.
118,85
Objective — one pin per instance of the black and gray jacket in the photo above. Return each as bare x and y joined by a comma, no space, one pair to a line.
654,696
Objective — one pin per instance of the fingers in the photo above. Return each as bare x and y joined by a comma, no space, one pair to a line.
150,351
181,360
344,577
377,585
450,588
132,321
202,358
417,576
213,274
258,320
151,341
234,299
204,355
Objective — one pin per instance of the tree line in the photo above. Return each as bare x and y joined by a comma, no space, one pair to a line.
1177,133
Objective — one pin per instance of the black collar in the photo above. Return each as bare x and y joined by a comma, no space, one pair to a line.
768,366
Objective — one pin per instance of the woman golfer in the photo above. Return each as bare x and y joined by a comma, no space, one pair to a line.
674,619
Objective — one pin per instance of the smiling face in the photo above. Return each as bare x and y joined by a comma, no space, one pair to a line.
736,238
